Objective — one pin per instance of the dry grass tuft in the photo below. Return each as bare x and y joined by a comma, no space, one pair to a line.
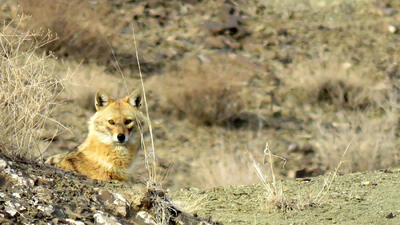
205,92
224,166
274,188
336,83
83,28
28,90
373,139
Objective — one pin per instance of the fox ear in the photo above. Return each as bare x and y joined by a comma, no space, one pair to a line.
102,99
135,98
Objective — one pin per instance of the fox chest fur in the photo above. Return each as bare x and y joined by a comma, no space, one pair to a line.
113,140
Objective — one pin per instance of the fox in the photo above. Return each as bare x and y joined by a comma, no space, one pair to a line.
113,140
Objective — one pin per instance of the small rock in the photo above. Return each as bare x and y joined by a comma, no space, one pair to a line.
19,206
368,183
293,148
347,65
146,217
392,29
48,210
23,181
102,219
10,208
121,205
390,216
74,222
3,164
16,195
114,202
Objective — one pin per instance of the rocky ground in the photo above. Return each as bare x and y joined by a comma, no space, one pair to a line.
38,194
223,78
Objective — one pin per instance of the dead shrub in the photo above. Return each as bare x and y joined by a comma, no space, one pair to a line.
371,136
28,91
205,92
83,28
226,162
330,81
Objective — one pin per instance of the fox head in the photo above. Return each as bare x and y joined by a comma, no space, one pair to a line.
117,121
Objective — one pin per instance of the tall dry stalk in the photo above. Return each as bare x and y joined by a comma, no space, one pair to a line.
150,157
274,195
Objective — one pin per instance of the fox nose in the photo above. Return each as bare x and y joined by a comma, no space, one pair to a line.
121,138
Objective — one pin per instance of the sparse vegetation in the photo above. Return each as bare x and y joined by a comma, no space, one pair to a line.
310,76
373,141
29,87
329,81
81,29
204,92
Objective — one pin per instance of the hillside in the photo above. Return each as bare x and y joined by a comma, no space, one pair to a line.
37,194
242,95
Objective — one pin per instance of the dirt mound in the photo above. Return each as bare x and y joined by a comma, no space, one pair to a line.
359,198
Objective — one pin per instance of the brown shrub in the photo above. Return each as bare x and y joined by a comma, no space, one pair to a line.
28,90
372,139
334,82
205,92
83,29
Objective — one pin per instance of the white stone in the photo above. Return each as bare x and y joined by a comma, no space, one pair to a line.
74,222
10,208
16,195
121,205
48,210
146,217
392,29
3,164
102,219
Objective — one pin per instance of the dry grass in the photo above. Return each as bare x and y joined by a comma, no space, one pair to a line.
278,198
373,139
28,91
205,92
274,188
222,166
345,104
83,29
335,82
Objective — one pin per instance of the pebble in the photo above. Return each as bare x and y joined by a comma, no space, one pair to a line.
10,208
74,222
115,203
146,217
3,164
121,205
392,29
16,195
102,219
48,210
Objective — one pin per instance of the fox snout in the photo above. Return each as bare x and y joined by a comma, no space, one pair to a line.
121,138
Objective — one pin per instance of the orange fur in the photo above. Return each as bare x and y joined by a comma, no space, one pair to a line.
113,140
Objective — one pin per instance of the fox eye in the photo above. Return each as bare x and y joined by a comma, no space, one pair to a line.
128,122
111,122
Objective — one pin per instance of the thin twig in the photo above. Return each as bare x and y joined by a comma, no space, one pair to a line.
153,155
